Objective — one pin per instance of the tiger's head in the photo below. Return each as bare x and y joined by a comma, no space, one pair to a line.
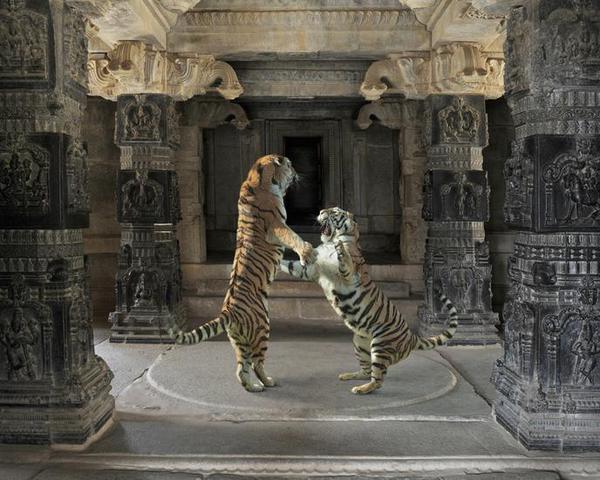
335,223
272,172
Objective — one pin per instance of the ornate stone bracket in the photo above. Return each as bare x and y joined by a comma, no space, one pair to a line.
134,67
213,114
457,68
389,114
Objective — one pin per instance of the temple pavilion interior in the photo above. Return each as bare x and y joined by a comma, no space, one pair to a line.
464,137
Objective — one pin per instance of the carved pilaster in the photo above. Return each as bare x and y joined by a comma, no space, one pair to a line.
406,117
148,284
455,205
53,389
546,380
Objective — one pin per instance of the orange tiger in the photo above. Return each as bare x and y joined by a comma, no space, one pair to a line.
262,235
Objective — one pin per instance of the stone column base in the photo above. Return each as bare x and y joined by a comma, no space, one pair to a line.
473,329
47,413
145,325
545,421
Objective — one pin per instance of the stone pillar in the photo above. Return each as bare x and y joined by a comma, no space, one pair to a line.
149,289
53,388
455,205
547,380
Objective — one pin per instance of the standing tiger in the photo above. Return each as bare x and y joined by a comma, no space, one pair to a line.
381,336
262,235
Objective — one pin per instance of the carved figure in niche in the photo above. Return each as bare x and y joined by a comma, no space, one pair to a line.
144,291
18,335
80,317
518,171
517,43
141,120
23,42
585,348
458,122
543,273
466,195
23,174
77,172
577,176
142,196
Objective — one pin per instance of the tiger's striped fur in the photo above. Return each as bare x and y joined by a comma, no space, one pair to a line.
381,335
262,235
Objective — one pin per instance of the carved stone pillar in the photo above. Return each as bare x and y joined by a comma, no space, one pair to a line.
455,205
149,274
405,117
547,380
53,388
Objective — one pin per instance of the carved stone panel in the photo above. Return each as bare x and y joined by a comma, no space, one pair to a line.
457,120
26,44
43,181
148,196
561,174
146,119
456,196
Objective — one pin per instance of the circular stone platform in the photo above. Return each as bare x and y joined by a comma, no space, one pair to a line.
201,379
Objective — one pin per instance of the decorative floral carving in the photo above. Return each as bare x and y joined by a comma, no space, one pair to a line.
459,122
23,42
23,174
142,197
75,46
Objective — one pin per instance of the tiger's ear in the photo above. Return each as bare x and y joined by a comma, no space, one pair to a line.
277,161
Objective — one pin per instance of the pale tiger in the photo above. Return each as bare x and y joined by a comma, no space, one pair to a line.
262,235
381,335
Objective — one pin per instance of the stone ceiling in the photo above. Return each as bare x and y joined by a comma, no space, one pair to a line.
416,46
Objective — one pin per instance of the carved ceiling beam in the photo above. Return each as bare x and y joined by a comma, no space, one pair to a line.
456,68
135,67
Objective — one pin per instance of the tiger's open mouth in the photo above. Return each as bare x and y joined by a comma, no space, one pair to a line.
326,229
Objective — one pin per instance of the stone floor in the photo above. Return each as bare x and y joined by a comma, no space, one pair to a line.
181,416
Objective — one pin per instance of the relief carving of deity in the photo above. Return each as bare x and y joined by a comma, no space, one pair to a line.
23,174
77,175
141,120
458,122
576,178
23,42
585,349
142,197
518,178
465,199
21,319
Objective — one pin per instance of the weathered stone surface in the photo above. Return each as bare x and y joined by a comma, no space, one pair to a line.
53,388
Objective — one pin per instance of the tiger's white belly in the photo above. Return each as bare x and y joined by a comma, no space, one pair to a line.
329,279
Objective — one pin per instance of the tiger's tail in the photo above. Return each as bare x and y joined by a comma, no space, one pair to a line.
437,340
203,332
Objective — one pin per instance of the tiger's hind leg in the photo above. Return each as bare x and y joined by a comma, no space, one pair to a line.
380,361
362,351
244,363
258,363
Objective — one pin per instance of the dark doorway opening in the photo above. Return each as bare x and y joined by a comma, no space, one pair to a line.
304,201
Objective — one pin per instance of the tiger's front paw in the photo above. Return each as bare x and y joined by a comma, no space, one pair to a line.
254,387
307,254
340,250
